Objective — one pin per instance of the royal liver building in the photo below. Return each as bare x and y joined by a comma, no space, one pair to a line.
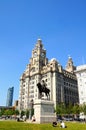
61,82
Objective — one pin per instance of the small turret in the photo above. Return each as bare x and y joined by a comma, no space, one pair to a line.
39,44
70,67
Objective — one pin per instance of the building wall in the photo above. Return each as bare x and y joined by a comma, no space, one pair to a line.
10,97
62,83
81,76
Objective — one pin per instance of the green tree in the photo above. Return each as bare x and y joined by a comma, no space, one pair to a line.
16,112
60,109
9,112
83,108
76,109
2,111
69,109
22,113
27,113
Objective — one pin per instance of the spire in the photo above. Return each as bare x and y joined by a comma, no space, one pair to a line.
39,40
39,43
70,59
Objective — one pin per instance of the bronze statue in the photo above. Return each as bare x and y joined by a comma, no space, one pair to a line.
43,88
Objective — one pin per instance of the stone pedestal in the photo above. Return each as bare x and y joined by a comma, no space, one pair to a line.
44,111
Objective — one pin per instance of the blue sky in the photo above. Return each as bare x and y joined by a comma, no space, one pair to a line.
61,24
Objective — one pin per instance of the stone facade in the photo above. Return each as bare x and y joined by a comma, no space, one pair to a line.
61,82
81,76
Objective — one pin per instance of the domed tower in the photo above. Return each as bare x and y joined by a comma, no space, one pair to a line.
70,67
38,59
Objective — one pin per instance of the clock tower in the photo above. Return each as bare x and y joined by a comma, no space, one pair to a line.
38,59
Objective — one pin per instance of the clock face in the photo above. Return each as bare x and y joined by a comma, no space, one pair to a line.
42,54
35,54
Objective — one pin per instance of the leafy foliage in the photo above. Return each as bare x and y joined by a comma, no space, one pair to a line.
22,113
27,113
70,109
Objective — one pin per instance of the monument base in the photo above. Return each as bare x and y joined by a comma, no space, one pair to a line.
44,111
